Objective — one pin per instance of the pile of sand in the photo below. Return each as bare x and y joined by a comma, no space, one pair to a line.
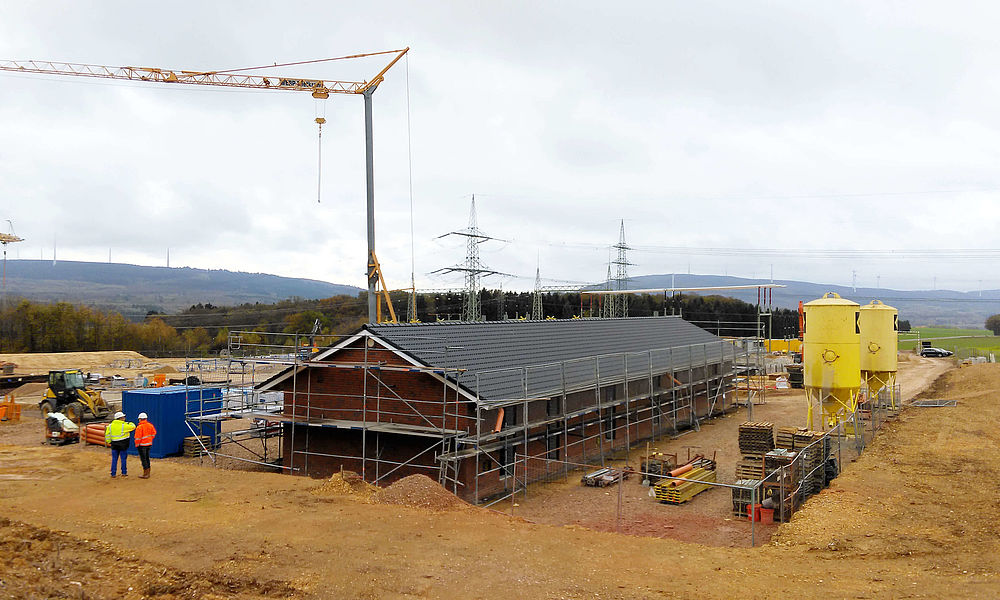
419,491
346,483
903,356
88,361
164,369
29,393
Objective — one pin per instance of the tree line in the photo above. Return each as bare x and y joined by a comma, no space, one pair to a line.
204,329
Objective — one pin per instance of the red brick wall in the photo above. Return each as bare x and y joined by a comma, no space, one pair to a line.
338,393
410,398
345,446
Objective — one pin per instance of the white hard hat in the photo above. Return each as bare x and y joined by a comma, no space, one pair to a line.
119,415
143,416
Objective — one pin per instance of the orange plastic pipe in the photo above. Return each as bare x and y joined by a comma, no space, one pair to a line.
499,424
681,470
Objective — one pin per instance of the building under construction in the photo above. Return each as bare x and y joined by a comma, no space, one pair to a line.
462,401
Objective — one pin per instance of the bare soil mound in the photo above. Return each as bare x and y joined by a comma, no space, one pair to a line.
347,483
165,369
419,491
967,382
89,361
41,563
29,392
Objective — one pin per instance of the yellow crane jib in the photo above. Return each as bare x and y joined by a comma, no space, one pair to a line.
240,78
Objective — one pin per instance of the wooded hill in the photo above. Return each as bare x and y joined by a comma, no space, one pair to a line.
203,329
134,290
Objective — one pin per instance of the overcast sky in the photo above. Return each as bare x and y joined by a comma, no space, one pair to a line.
819,126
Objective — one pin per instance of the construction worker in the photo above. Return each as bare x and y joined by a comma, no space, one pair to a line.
117,436
144,434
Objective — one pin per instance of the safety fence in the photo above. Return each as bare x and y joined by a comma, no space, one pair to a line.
711,505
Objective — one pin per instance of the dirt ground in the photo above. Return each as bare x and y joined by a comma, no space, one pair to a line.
914,517
707,519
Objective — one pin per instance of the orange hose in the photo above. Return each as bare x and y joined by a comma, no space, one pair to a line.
499,424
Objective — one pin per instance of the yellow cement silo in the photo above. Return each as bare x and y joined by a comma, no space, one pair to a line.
879,330
831,358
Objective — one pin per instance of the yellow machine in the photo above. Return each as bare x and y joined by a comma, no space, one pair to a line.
831,358
67,393
879,347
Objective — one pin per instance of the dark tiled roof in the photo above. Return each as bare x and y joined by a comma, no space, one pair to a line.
497,354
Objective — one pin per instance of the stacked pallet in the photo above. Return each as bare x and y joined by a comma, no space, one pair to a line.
783,487
673,491
742,496
750,468
815,449
785,437
193,445
779,458
756,438
804,437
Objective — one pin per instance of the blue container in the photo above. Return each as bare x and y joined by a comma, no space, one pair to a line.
171,409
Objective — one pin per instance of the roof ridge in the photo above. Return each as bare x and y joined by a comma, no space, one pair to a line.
517,321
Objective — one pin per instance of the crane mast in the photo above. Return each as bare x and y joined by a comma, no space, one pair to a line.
238,78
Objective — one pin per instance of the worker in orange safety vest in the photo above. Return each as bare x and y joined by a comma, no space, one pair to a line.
144,434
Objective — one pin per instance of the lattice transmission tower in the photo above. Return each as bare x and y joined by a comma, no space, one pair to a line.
536,302
621,275
472,268
608,304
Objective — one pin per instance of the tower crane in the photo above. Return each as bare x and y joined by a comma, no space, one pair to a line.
7,238
240,78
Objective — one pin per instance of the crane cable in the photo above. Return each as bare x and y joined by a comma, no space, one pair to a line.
412,308
320,120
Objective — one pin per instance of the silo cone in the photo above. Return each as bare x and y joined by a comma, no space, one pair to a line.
831,363
879,347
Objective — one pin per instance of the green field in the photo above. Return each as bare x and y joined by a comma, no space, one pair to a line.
963,342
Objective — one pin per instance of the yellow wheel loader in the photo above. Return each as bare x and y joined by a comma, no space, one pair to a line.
67,393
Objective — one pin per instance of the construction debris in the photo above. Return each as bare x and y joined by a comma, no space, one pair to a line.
933,403
656,465
603,477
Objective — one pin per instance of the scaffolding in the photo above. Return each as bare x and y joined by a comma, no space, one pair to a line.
590,409
650,394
